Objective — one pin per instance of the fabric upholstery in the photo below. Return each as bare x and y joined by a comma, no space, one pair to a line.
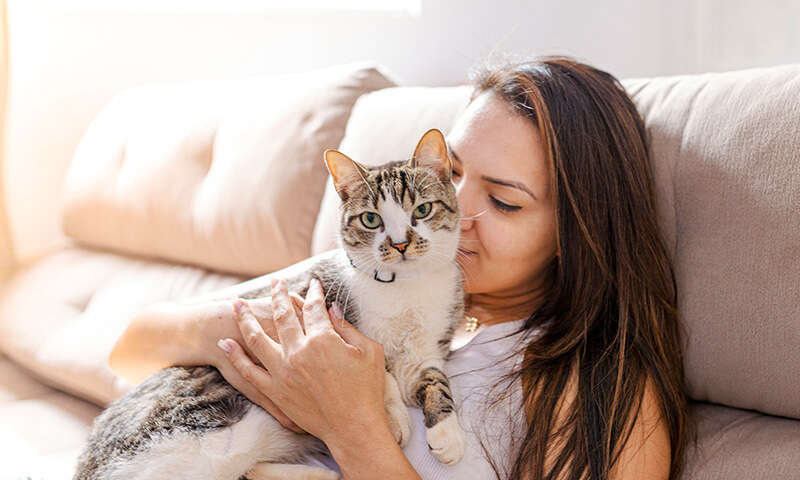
42,430
60,316
223,175
735,444
724,147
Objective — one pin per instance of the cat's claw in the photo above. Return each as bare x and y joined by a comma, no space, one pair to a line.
447,441
400,423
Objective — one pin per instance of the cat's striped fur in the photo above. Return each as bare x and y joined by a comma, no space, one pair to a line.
396,281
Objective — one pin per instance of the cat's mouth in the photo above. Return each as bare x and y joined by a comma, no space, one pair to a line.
404,259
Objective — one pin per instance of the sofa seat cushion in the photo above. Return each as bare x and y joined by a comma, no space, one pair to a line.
42,430
738,444
225,175
61,315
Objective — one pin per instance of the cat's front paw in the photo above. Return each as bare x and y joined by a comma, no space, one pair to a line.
400,423
447,441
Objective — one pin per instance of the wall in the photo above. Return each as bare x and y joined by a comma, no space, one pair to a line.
69,57
6,243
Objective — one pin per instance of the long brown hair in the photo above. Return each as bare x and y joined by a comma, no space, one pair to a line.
610,309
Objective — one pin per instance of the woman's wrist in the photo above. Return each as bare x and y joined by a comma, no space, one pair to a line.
364,448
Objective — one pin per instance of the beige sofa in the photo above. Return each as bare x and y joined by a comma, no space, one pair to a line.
181,190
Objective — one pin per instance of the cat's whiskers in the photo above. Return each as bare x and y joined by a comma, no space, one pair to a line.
339,278
414,170
422,189
372,263
427,176
465,274
374,196
472,217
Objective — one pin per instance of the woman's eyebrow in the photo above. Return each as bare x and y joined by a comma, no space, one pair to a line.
496,181
509,183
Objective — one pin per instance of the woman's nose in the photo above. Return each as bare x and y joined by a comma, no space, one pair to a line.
464,207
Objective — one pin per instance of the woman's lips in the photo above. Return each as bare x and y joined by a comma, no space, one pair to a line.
466,252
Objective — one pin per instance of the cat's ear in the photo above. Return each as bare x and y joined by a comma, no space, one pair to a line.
431,152
345,172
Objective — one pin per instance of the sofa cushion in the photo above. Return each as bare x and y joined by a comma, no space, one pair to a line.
724,147
386,125
735,444
42,431
224,175
61,315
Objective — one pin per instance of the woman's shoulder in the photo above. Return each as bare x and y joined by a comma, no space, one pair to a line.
647,452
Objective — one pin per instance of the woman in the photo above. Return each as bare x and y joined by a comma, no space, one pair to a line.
561,251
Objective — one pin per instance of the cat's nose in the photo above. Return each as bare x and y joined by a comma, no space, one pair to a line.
400,247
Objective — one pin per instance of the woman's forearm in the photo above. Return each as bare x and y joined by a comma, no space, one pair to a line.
167,334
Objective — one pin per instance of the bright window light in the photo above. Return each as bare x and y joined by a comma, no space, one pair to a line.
411,7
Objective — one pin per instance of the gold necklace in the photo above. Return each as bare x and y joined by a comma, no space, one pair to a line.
472,324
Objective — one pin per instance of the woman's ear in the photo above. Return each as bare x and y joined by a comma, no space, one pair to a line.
346,172
431,152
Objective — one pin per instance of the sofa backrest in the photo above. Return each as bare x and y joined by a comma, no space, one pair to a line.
725,149
727,170
222,175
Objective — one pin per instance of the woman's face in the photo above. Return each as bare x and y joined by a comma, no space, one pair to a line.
508,229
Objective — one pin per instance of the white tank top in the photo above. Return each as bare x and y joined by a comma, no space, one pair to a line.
473,369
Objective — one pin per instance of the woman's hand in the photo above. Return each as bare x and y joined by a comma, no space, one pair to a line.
326,376
264,307
226,325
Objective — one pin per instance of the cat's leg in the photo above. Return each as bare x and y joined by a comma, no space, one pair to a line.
425,385
288,471
396,411
444,434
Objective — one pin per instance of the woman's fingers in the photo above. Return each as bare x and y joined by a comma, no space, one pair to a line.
297,300
315,315
345,330
286,322
262,309
265,350
232,371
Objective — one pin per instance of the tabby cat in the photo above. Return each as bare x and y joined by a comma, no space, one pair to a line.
396,280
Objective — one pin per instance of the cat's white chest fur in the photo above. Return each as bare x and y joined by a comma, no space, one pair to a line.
408,316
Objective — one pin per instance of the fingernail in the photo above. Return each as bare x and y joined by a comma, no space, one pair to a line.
273,282
337,311
226,348
315,282
237,305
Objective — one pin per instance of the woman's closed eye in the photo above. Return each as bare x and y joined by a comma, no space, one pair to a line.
502,206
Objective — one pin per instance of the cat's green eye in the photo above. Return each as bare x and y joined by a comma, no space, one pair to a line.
423,210
371,220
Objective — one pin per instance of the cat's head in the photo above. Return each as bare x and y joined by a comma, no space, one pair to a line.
402,216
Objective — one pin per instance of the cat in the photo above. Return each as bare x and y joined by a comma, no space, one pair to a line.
395,278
